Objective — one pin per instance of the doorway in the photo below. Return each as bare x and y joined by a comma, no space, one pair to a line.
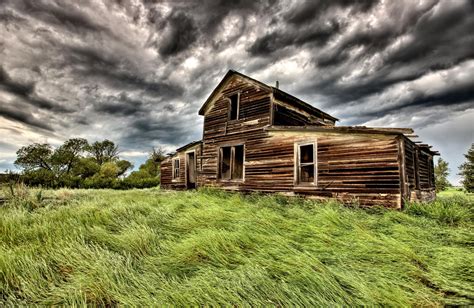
190,170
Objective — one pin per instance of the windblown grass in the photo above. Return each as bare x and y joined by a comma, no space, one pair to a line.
154,247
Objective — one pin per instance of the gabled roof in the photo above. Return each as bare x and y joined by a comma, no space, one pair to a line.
275,91
187,146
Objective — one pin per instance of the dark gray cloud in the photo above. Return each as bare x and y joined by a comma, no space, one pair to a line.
308,10
180,33
22,116
277,40
137,71
26,91
121,106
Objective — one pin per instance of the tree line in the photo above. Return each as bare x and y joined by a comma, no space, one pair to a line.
80,164
466,171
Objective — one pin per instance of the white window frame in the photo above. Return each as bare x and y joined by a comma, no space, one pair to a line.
174,176
298,165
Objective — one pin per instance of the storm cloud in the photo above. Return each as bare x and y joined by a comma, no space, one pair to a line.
138,71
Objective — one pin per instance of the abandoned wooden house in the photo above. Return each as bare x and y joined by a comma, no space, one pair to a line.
258,138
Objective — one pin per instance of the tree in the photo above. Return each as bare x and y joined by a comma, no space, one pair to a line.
467,170
157,155
109,170
86,167
123,166
34,157
441,172
103,151
151,167
69,154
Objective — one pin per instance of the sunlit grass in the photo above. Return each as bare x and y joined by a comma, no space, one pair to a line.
154,247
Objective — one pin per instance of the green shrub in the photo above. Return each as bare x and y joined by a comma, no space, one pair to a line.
454,210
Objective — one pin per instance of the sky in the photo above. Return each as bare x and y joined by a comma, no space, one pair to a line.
136,72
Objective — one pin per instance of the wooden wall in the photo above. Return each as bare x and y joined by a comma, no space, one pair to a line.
411,164
350,167
286,115
254,114
167,181
166,174
419,171
426,170
254,110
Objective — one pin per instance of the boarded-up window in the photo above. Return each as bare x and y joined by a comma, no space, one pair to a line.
231,162
306,163
234,107
175,168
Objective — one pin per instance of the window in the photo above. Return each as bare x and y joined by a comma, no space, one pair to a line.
175,168
306,170
231,162
234,107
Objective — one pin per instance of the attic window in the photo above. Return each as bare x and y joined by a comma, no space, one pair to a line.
234,106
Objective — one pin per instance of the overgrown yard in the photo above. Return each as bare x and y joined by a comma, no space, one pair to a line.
150,247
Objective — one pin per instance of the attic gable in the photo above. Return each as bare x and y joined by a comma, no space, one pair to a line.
225,82
277,93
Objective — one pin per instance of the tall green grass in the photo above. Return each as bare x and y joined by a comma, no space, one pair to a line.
154,247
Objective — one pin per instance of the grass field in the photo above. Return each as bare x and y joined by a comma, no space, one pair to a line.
154,247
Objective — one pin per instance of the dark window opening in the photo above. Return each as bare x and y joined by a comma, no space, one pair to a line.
307,174
234,107
176,168
306,163
231,163
238,163
306,154
225,163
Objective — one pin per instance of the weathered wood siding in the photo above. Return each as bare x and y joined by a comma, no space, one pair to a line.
426,170
287,115
371,168
254,114
349,167
166,174
410,165
419,172
254,110
167,181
